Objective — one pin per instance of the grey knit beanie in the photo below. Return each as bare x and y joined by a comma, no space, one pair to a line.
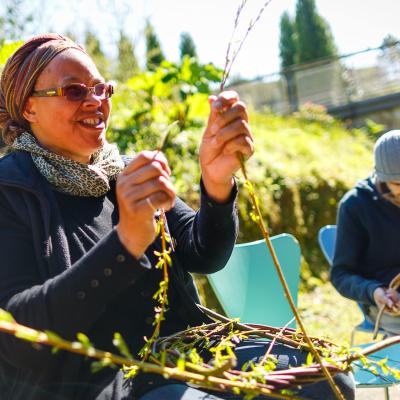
387,156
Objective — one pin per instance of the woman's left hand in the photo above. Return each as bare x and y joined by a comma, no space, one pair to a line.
227,135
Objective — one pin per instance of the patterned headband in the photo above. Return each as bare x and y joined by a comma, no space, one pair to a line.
19,76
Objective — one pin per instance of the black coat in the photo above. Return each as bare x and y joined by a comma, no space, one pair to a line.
367,253
41,288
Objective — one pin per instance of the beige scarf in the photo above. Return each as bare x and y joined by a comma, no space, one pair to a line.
73,177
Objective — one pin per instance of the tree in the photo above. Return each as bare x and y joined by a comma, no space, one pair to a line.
187,46
70,34
314,38
154,54
389,59
127,64
288,54
287,41
93,47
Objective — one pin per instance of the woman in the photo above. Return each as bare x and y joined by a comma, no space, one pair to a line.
78,225
367,255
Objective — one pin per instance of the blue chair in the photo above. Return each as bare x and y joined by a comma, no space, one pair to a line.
365,378
327,239
248,283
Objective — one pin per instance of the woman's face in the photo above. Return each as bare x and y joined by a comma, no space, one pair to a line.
73,129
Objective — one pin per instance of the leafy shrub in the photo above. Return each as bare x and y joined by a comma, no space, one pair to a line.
302,166
148,103
300,170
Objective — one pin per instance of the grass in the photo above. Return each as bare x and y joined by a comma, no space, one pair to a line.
327,314
324,312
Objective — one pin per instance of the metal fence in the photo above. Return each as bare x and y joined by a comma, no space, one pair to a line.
331,82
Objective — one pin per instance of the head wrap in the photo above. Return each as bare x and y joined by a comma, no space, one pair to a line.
19,76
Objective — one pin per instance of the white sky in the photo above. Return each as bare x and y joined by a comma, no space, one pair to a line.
355,24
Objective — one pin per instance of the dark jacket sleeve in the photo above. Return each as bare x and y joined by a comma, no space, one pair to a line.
66,303
72,301
205,239
351,239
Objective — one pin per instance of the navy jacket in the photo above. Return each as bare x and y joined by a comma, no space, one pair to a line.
41,288
367,253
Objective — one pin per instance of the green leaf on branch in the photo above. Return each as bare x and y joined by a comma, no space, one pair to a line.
120,344
6,316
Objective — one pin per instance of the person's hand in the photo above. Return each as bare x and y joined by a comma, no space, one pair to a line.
142,187
227,134
389,298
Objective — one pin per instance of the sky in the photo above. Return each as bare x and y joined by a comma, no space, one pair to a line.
355,24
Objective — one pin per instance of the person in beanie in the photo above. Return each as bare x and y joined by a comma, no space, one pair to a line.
78,232
367,252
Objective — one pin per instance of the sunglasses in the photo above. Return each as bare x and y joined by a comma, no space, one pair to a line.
78,91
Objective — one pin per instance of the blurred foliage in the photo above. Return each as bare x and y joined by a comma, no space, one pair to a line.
306,37
154,53
146,104
313,35
127,63
6,49
93,47
311,112
301,169
322,309
302,166
287,41
15,19
187,46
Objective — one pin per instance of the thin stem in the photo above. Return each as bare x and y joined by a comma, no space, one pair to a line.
32,335
270,347
260,221
163,296
165,135
230,59
225,72
204,376
374,347
378,321
282,279
249,329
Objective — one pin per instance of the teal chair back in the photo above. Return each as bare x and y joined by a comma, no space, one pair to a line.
249,288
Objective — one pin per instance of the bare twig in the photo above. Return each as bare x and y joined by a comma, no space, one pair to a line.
270,347
230,58
288,295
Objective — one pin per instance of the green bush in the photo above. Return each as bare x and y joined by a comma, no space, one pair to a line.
301,169
303,164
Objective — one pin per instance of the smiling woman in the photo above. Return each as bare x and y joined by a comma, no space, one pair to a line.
78,230
69,124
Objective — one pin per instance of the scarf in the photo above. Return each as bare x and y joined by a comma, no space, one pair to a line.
73,177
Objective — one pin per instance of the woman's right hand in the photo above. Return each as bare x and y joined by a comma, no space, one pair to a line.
142,187
387,297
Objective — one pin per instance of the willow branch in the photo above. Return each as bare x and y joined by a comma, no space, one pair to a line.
230,59
282,279
209,381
